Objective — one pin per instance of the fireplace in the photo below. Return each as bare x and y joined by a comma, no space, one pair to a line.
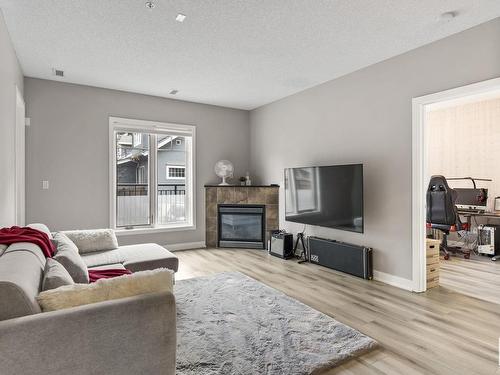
264,197
241,225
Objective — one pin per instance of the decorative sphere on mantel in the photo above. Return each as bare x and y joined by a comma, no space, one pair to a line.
224,169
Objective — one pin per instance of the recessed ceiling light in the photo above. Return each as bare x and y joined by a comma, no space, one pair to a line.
180,17
173,92
150,5
448,16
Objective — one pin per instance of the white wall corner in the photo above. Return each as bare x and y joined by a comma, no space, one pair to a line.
396,281
185,246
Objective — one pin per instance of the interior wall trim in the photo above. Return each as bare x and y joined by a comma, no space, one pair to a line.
396,281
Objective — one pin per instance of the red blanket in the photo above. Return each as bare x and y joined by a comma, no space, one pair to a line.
95,275
8,236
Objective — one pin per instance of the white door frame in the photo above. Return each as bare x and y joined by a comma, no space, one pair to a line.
20,160
419,172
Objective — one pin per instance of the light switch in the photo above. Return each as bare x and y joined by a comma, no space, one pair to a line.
45,185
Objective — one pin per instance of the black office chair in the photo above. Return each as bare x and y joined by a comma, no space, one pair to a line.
442,213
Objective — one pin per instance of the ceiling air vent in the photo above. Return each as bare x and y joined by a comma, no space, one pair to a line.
58,72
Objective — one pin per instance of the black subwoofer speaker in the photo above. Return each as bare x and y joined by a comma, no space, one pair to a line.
353,259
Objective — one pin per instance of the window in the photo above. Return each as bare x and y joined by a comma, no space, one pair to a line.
142,195
176,172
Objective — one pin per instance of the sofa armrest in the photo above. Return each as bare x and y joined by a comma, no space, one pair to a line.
135,335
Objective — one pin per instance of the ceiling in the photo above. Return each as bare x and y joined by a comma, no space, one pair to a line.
233,53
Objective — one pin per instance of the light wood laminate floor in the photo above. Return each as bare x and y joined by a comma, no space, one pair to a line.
437,332
477,277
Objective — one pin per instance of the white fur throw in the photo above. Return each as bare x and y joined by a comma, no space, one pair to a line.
93,240
159,280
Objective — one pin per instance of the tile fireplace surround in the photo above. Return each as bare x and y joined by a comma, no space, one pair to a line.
230,194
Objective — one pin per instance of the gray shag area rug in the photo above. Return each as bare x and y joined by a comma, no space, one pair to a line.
229,323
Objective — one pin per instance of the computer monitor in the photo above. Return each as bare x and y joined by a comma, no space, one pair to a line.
471,199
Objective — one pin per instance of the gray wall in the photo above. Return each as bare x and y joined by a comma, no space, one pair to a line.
68,145
10,76
362,117
366,117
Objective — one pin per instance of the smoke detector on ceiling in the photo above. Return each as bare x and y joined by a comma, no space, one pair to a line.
180,17
58,72
150,5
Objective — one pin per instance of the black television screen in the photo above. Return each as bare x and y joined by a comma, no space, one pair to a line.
330,196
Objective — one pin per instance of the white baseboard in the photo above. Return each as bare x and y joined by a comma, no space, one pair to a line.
396,281
185,246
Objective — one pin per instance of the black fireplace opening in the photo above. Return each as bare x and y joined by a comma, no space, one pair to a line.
241,225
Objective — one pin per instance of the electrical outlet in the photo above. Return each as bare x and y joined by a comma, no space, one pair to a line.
45,185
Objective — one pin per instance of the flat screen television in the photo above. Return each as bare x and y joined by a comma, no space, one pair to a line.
329,196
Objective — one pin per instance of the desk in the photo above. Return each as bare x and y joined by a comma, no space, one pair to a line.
470,214
479,214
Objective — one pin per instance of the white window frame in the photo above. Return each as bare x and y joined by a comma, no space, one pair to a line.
169,166
134,125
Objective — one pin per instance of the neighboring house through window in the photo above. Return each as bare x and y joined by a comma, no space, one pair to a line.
141,175
137,139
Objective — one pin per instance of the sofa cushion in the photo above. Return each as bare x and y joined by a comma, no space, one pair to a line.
21,274
30,248
93,240
67,255
159,280
115,266
2,249
148,256
101,258
55,275
135,257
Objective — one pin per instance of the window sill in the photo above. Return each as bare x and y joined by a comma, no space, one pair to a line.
170,228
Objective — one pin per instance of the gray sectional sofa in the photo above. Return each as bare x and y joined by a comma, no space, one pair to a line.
135,335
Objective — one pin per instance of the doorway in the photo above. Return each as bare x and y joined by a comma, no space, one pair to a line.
421,169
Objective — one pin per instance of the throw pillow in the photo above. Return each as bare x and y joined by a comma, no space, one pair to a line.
41,227
159,280
67,255
93,240
55,275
